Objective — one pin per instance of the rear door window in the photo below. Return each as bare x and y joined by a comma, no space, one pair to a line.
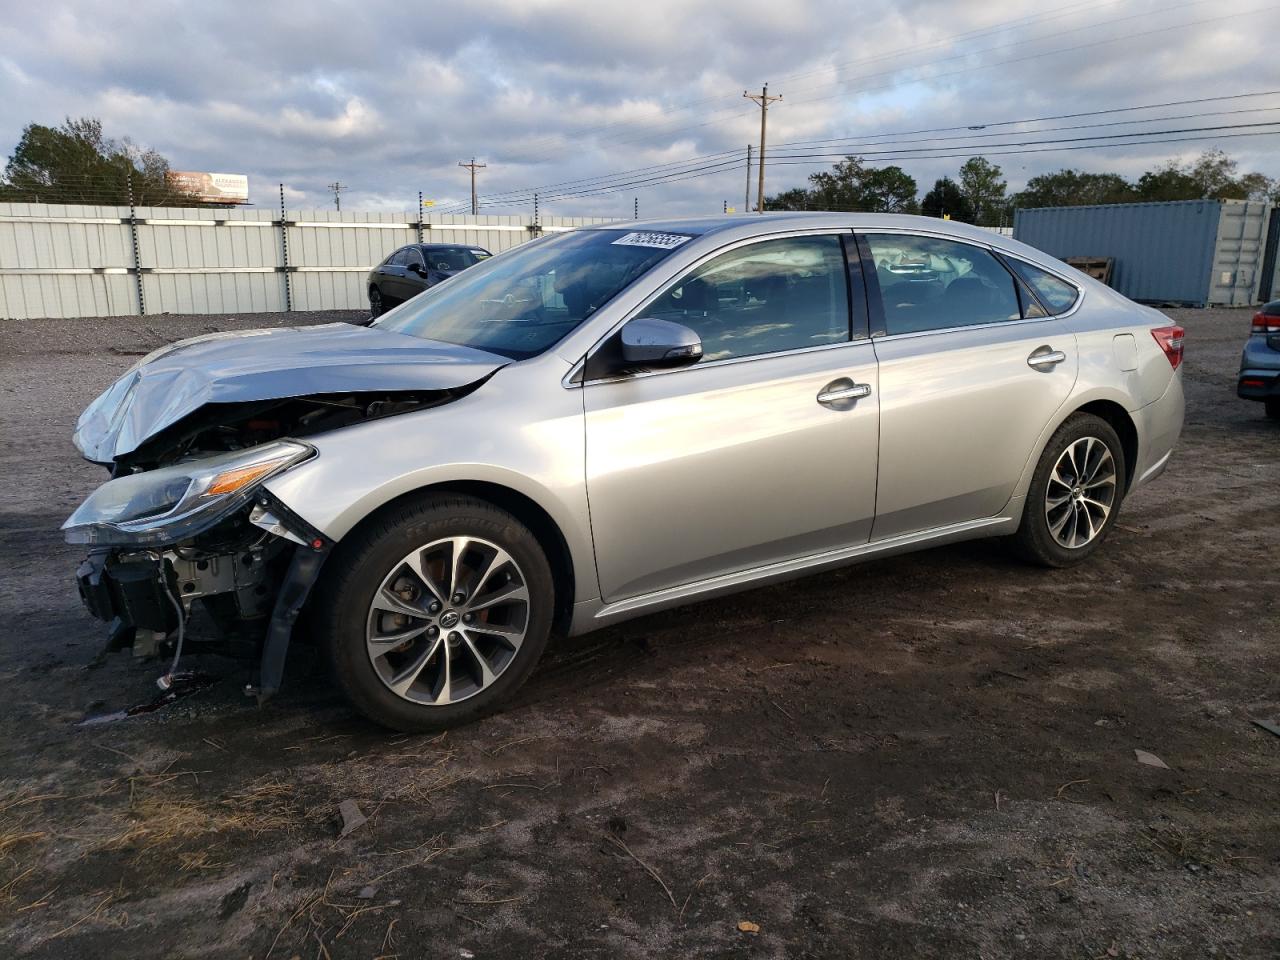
932,283
1058,296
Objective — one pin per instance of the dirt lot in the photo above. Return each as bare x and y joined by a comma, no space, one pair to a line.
931,756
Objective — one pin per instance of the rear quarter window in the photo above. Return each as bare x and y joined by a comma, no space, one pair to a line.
1058,296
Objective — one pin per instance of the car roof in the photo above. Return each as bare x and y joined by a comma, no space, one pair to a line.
448,246
729,228
748,224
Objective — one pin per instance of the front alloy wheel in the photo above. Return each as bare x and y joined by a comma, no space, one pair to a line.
435,611
448,620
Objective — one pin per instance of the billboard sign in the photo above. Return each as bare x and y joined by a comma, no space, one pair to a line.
211,187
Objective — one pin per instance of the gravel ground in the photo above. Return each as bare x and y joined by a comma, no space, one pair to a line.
928,756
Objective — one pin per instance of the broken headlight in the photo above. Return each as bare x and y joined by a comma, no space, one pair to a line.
174,503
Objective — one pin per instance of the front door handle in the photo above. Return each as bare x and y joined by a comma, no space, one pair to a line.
832,393
1042,358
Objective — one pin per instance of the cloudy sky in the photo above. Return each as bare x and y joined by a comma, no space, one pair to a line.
387,97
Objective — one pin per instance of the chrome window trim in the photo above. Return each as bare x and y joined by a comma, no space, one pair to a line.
990,248
567,381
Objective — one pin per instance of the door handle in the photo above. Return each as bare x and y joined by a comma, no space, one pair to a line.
855,391
1042,358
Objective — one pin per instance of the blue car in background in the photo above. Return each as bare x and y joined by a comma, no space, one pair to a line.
1260,362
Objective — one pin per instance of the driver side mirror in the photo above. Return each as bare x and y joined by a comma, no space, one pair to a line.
659,344
418,268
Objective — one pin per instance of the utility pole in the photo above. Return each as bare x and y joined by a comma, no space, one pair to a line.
473,167
336,187
763,100
746,200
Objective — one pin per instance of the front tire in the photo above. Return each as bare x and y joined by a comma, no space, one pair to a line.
1075,493
436,613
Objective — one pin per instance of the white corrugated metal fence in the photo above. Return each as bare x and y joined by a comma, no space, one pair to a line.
86,261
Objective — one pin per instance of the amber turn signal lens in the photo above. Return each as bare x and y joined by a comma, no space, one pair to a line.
233,480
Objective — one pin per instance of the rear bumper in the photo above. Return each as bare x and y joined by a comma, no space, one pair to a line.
1159,427
1258,384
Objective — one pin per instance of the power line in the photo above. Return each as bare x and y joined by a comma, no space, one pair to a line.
1059,116
849,147
981,66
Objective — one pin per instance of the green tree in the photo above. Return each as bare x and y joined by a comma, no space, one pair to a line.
851,185
1169,182
984,187
1257,186
77,163
947,198
1211,176
1071,188
797,198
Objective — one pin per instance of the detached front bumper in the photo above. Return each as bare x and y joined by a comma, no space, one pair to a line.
252,574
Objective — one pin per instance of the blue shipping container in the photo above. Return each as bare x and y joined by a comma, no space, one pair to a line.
1191,251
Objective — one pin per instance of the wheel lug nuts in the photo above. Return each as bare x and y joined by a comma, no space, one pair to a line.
455,637
459,597
468,617
434,607
433,631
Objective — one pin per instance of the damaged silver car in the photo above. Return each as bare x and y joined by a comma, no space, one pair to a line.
608,422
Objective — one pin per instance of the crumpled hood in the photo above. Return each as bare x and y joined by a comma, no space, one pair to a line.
273,364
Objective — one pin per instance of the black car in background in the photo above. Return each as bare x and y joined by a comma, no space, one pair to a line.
410,270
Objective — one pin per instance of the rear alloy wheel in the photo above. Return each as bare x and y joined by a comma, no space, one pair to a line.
376,307
436,613
1075,493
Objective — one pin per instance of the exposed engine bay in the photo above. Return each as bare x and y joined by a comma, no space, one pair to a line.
186,528
221,427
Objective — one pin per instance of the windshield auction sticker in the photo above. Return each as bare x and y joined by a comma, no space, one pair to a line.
663,241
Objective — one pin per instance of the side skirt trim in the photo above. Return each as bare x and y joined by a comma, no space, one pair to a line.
593,614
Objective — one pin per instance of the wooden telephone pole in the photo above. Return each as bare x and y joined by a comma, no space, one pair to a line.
473,167
763,99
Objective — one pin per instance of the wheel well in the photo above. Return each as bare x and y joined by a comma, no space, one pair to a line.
1120,421
528,512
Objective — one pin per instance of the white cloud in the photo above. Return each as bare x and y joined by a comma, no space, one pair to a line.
387,97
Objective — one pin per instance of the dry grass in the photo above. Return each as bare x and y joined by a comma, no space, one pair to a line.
158,818
21,813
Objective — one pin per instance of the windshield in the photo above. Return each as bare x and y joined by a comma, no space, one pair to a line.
525,301
452,258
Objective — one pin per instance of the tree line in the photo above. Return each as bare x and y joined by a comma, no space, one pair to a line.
77,163
979,193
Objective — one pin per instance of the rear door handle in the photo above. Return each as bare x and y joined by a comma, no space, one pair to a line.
1042,358
833,394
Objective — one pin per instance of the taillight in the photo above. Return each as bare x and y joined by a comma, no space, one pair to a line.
1170,340
1266,322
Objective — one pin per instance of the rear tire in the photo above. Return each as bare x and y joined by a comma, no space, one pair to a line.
1075,493
436,613
376,305
1273,408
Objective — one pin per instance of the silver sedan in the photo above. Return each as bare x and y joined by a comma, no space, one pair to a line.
610,422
